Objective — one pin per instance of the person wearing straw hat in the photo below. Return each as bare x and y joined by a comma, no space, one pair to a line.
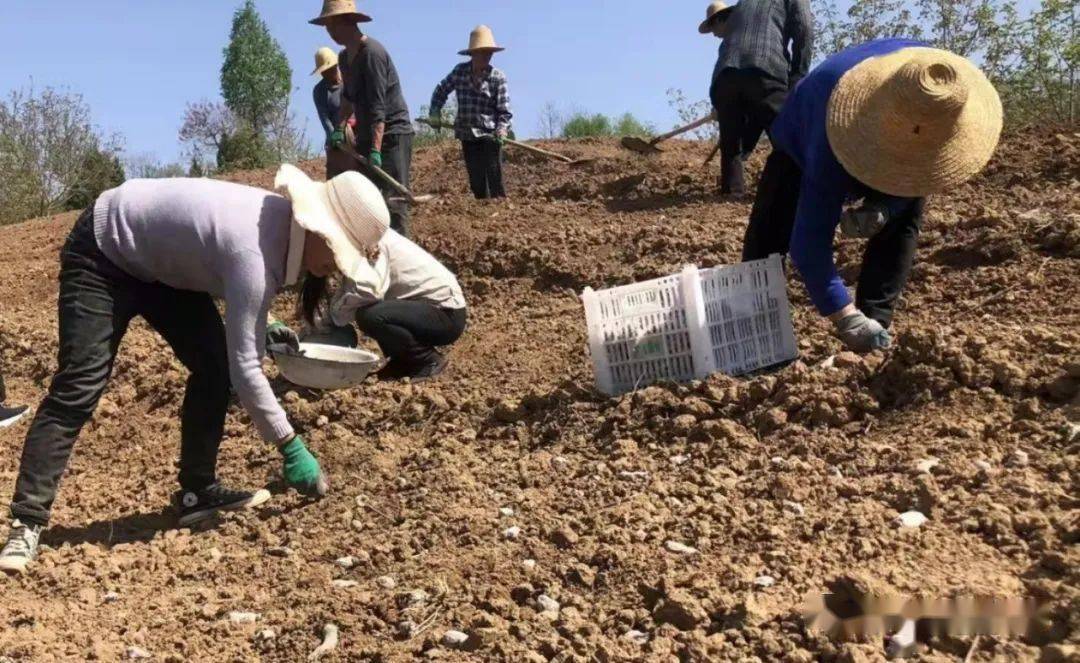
887,123
164,250
483,112
767,47
327,96
373,98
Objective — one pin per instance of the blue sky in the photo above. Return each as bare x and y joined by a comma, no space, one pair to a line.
138,63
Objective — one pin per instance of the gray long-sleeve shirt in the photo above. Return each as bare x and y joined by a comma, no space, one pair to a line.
328,105
373,88
758,34
224,239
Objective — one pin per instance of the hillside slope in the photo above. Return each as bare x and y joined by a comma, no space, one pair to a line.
796,474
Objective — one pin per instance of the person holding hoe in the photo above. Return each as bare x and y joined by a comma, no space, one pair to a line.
372,97
327,95
766,49
164,250
483,112
884,124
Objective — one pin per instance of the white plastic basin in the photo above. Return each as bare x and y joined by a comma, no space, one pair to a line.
327,366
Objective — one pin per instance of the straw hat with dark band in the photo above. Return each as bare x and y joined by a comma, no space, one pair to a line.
332,8
713,12
914,122
482,39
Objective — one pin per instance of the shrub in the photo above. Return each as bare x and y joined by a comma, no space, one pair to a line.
245,149
582,125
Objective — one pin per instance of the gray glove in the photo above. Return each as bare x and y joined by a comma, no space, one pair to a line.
863,222
281,340
862,334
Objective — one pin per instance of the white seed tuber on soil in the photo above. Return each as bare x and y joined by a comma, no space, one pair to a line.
455,638
680,548
329,643
911,519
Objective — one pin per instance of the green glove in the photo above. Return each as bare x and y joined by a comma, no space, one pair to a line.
302,471
337,138
500,139
436,122
376,158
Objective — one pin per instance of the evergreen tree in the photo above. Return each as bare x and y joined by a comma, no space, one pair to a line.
255,78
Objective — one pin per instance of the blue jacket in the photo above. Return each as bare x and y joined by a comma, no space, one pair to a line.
800,131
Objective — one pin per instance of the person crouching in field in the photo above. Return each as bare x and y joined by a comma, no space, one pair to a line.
327,96
483,113
403,298
889,123
164,250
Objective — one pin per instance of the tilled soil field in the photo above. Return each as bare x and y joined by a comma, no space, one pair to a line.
511,502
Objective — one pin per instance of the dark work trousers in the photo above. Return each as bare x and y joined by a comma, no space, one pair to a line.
746,102
397,163
409,331
888,257
338,162
483,160
97,301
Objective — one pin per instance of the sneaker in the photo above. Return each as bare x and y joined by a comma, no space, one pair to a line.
194,506
431,369
10,415
21,547
399,369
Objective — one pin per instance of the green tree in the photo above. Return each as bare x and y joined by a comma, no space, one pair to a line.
1039,79
256,77
102,171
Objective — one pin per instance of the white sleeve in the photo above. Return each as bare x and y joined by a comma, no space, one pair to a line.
370,285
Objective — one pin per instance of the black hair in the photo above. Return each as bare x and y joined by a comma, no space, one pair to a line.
313,296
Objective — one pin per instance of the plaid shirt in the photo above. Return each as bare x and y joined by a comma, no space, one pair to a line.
759,33
484,106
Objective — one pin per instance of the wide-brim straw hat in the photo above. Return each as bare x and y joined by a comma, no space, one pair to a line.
914,122
712,12
332,8
325,58
481,39
348,212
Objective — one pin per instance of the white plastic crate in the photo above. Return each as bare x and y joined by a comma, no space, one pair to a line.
748,316
683,327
